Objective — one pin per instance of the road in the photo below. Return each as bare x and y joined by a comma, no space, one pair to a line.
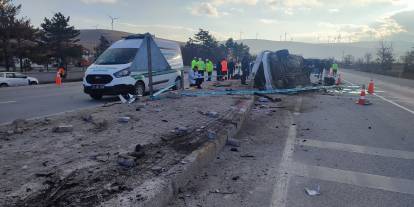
358,155
29,102
35,101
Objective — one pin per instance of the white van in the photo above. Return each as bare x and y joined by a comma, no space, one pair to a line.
123,67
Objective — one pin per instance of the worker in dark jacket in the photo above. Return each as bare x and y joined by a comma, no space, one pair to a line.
218,69
232,68
245,69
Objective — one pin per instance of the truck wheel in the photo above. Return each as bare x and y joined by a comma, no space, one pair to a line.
177,84
3,85
139,89
96,96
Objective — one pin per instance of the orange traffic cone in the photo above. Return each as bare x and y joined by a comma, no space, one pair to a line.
339,81
371,87
361,100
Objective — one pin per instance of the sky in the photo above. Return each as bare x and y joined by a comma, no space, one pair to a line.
315,21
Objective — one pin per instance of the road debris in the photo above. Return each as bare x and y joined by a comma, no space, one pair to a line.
128,100
211,134
234,149
211,114
233,142
265,98
181,130
158,170
235,178
124,119
126,161
217,191
247,156
313,192
62,128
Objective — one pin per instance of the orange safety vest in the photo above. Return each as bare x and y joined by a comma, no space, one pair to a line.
61,71
224,66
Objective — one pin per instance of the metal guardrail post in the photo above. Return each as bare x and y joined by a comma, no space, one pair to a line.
182,79
148,39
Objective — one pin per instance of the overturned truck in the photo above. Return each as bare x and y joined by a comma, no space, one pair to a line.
277,70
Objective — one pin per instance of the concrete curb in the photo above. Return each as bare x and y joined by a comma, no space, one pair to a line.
159,191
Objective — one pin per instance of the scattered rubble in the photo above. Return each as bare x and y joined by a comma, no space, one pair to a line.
85,168
233,142
211,114
211,134
235,178
247,156
62,128
234,149
124,119
126,161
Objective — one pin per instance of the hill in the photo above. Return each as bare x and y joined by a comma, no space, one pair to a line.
324,50
89,38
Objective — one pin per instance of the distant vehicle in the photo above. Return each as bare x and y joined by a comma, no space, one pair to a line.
16,79
123,69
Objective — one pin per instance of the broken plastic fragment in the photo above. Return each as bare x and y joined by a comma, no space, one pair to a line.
313,192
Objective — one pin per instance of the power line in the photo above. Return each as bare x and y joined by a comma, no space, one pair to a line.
112,20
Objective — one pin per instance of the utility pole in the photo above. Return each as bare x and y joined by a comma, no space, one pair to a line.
285,36
112,21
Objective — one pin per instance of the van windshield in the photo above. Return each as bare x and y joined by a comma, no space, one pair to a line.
117,56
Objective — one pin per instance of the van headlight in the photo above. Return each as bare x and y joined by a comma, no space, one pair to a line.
122,73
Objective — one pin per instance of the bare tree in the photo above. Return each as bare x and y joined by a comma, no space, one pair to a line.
408,60
385,56
368,58
349,60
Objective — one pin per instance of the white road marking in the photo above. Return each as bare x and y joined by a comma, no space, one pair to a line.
7,102
394,103
280,191
358,149
353,178
389,101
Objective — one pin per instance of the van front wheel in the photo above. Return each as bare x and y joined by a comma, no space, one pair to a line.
139,89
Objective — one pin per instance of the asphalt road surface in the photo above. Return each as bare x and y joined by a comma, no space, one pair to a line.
35,101
28,102
356,155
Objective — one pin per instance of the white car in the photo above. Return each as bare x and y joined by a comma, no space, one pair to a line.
16,79
123,69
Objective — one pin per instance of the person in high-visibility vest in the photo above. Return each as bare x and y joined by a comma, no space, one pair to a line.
201,67
224,68
193,63
335,69
59,75
209,69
